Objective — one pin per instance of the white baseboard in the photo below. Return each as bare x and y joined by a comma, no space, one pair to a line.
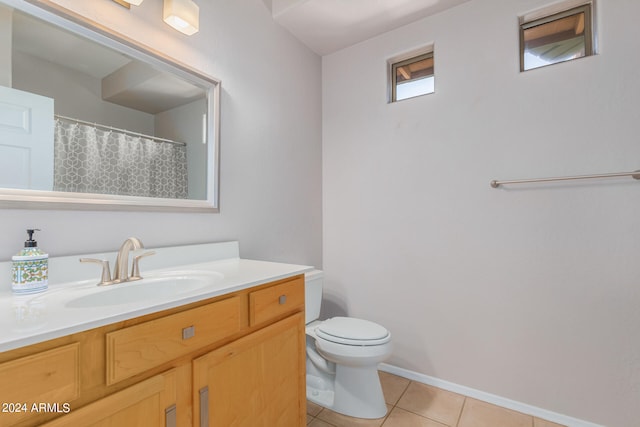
487,397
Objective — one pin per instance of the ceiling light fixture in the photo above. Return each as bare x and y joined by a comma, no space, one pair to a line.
128,3
183,15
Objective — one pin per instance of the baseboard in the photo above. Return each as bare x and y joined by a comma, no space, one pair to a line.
487,397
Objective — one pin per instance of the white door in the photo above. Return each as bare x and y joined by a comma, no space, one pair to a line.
26,140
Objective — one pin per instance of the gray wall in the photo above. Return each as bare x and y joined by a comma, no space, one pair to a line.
270,197
528,292
5,47
185,124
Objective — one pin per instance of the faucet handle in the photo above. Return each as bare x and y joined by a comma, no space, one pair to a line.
106,274
135,268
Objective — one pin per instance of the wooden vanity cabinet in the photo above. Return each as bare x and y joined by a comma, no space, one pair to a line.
151,402
234,360
49,376
255,381
136,349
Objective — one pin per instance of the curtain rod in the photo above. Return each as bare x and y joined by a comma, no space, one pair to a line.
634,175
128,132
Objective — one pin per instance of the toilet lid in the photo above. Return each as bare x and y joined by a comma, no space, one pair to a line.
352,331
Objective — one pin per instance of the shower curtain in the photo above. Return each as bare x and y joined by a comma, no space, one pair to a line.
91,160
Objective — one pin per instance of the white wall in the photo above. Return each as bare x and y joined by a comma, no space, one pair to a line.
270,197
528,292
185,124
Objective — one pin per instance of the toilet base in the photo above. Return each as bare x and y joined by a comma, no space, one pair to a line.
318,392
354,391
358,392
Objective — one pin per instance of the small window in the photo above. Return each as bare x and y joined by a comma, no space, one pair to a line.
556,38
412,77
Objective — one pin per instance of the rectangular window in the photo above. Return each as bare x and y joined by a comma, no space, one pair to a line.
556,38
412,77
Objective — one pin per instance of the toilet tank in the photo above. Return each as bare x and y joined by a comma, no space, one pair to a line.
312,295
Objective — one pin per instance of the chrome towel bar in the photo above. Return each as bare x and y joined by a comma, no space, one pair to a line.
634,175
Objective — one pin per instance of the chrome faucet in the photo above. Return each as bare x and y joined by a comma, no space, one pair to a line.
121,269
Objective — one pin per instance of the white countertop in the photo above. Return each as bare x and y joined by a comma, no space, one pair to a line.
29,319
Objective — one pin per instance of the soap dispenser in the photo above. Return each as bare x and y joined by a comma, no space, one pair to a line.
30,268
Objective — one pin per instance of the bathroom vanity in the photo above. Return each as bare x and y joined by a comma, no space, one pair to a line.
227,348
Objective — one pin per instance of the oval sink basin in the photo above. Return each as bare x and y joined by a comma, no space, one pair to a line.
163,287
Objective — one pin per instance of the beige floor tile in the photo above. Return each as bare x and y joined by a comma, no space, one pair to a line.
537,422
401,418
431,402
319,423
421,405
392,386
481,414
313,409
340,420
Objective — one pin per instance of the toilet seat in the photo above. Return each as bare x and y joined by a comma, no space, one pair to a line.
352,331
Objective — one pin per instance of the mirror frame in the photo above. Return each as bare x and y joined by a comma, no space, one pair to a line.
77,24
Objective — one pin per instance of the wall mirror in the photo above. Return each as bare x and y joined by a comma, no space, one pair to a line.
90,119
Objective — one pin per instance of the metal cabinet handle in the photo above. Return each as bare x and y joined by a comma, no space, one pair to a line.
189,332
282,300
170,418
204,406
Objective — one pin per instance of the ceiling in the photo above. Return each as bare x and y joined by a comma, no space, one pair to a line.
327,26
125,81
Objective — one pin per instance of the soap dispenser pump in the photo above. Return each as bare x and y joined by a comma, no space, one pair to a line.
30,268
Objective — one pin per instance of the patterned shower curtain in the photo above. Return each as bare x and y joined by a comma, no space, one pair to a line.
90,160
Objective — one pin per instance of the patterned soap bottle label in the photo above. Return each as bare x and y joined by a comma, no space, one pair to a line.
30,271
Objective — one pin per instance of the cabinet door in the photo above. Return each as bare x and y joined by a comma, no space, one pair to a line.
258,380
146,404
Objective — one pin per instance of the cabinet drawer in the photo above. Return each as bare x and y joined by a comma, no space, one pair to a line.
50,377
269,303
138,348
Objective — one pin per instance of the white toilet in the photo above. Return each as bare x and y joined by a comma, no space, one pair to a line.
342,358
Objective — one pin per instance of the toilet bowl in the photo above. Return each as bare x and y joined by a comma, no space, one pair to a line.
342,358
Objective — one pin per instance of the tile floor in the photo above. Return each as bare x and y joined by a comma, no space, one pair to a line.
413,404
